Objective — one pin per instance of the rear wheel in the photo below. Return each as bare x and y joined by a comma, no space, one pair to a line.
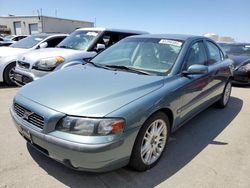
9,73
150,142
222,103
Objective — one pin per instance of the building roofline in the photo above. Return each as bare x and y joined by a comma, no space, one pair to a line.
33,16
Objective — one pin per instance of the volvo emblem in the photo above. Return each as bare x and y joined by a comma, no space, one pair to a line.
26,115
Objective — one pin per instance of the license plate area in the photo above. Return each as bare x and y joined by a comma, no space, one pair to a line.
26,134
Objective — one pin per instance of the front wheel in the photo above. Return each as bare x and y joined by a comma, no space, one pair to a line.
222,103
9,73
150,142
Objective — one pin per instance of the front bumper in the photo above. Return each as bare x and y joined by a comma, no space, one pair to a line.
24,76
79,156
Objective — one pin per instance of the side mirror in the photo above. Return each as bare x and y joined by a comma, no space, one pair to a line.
196,69
100,47
43,45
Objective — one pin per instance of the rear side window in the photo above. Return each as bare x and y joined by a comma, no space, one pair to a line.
110,38
215,53
54,42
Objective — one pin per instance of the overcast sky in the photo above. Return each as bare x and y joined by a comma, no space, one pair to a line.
223,17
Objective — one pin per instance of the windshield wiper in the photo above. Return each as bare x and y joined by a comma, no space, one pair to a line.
131,69
96,65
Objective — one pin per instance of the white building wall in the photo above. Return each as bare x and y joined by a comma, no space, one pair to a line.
51,24
45,24
25,21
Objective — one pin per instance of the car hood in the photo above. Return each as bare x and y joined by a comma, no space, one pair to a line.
84,90
51,52
239,60
9,51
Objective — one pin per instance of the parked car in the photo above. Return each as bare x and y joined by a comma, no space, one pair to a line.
121,107
82,44
8,55
240,53
11,39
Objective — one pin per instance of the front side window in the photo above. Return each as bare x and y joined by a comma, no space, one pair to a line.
79,40
196,55
152,55
214,53
29,42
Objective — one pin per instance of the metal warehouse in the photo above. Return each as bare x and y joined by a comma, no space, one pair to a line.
26,25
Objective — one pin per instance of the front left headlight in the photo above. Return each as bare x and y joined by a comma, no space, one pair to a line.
49,64
90,126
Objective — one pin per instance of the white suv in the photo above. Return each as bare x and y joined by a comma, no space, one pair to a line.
82,44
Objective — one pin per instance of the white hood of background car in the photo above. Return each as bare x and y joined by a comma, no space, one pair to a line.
36,55
9,51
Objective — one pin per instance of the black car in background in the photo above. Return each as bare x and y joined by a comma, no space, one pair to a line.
240,53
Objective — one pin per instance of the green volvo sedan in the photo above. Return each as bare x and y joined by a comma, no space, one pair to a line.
121,107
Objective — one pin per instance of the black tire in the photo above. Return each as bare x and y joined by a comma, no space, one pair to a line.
222,103
136,161
7,72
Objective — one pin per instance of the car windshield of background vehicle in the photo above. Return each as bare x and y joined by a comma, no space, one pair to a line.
9,37
152,55
237,49
29,42
78,40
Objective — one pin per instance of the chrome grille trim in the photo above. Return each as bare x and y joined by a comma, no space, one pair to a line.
33,118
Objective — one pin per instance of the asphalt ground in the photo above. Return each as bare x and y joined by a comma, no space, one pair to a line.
211,150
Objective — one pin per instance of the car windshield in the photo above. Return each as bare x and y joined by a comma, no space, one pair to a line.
236,49
146,54
78,40
9,37
29,42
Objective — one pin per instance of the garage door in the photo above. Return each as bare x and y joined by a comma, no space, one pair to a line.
17,28
33,28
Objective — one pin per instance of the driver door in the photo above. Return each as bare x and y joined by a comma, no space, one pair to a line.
193,91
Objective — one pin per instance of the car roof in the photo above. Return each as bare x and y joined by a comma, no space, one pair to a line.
49,34
181,37
112,30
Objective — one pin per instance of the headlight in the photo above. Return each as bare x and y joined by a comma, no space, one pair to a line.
90,126
242,68
49,63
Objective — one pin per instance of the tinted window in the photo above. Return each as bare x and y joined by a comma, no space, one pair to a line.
110,38
214,52
196,55
54,41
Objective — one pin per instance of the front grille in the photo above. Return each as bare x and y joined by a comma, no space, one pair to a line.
29,116
23,64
